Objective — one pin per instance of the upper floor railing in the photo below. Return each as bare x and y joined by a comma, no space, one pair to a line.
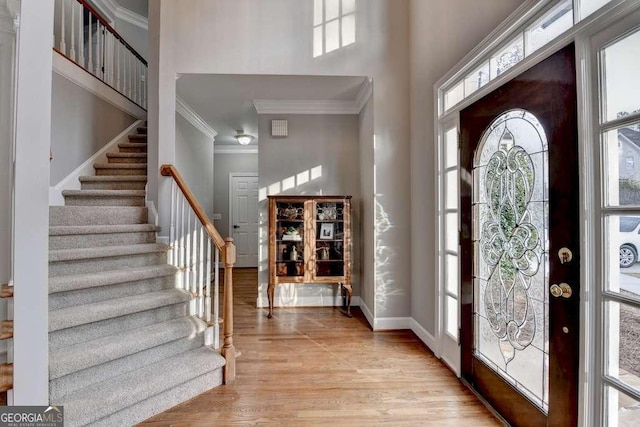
82,35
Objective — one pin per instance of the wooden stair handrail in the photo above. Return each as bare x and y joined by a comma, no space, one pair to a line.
6,376
170,170
228,251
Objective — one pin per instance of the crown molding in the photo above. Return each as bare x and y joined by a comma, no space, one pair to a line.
366,90
113,10
192,117
132,18
292,106
235,149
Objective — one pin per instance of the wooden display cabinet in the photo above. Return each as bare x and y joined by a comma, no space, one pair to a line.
310,242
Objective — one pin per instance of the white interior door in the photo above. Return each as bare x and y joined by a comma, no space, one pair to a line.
243,213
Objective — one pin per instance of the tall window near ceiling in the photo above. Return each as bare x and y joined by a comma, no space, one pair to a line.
334,25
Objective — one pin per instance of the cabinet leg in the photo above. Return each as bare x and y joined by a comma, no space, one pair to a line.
270,293
349,293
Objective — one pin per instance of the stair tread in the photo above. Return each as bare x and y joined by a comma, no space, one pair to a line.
131,144
67,230
120,165
104,193
66,360
103,310
106,251
106,278
91,403
113,178
134,155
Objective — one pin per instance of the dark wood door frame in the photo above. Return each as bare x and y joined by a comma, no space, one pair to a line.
547,90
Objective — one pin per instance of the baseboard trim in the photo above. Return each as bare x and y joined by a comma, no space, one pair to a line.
391,323
72,182
310,301
367,313
424,335
163,239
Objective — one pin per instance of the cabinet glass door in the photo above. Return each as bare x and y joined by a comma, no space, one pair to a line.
329,239
290,239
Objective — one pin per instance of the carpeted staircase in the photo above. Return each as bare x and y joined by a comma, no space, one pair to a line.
122,345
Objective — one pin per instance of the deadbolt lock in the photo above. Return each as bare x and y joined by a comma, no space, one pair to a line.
561,290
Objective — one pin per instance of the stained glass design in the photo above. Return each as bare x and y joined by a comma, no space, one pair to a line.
510,250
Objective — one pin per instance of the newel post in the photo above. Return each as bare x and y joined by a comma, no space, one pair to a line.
228,350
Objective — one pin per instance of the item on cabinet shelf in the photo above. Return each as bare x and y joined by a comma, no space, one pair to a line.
291,212
327,213
323,253
293,253
291,234
281,268
299,269
326,231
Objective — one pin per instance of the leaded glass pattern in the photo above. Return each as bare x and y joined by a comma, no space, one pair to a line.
510,232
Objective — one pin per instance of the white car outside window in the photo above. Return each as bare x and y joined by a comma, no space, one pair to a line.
630,238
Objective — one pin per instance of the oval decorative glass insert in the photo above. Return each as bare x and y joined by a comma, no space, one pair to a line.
510,206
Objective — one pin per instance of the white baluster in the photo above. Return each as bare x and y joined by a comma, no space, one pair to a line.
96,72
207,300
172,229
146,87
124,70
112,59
182,248
201,275
72,51
80,34
90,64
187,259
194,256
118,87
135,79
216,298
63,44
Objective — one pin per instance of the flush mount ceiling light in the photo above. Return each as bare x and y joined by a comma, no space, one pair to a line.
243,138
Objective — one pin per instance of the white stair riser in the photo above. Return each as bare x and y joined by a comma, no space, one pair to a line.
99,240
94,265
60,300
71,216
77,380
91,331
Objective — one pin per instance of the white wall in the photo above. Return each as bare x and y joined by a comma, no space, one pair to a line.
442,32
276,37
194,160
223,165
7,63
81,124
330,142
367,243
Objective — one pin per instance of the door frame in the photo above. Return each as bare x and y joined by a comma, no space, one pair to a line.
230,201
590,386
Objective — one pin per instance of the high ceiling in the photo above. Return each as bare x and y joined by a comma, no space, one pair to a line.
225,102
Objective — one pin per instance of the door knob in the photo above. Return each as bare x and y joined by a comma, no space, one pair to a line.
561,290
236,226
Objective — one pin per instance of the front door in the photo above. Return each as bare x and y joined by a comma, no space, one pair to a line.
243,201
520,245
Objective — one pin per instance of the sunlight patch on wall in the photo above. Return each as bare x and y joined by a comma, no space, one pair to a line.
294,181
334,25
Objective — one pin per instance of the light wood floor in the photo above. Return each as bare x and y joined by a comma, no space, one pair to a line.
315,366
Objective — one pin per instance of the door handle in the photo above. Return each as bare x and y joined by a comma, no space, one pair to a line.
236,226
561,290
